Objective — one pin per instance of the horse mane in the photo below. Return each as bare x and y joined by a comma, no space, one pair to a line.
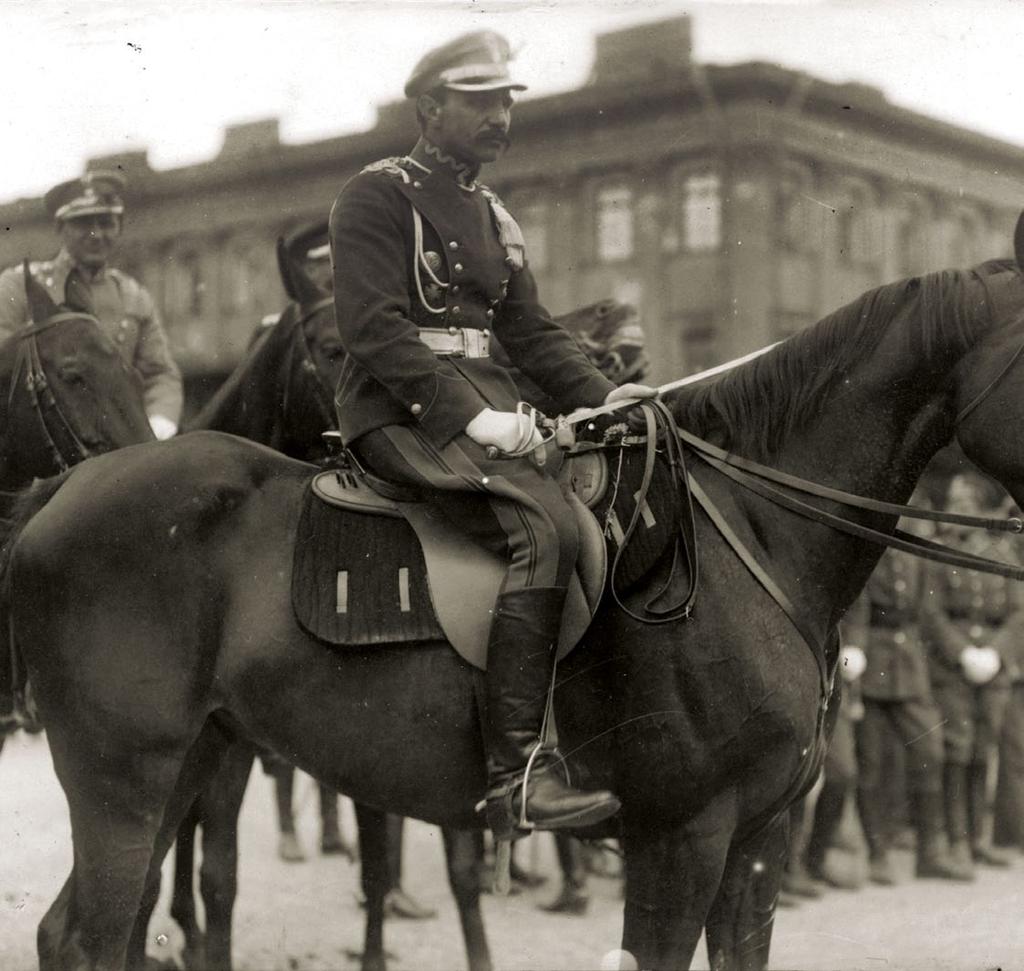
755,408
265,353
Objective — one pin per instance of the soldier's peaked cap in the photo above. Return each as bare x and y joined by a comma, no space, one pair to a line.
472,62
94,193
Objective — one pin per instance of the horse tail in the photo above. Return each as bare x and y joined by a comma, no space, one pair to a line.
15,697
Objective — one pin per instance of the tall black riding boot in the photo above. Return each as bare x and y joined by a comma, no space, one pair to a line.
520,665
978,815
954,791
933,859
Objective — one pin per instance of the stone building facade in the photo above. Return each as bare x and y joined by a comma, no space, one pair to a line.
732,204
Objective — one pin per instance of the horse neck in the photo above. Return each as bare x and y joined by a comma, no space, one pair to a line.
250,402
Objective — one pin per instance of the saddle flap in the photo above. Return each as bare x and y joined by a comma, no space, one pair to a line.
363,577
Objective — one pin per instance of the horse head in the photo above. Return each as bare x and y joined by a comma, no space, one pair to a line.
67,393
990,379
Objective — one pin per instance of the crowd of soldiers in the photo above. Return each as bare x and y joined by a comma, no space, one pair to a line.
930,734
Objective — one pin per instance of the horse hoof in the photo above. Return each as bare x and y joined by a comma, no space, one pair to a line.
289,850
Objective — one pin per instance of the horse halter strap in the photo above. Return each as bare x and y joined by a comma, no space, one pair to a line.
41,394
308,363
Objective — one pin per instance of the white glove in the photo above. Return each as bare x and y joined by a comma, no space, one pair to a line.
853,662
163,427
980,664
506,430
626,391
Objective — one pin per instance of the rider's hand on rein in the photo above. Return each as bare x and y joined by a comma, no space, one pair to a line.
505,430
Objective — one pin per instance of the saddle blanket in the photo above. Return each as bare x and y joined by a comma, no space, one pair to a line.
368,571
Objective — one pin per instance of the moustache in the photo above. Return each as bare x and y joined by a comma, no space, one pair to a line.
495,134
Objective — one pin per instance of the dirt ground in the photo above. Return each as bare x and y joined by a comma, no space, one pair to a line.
304,917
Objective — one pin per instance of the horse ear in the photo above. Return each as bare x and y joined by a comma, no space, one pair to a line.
284,266
1018,241
40,305
77,295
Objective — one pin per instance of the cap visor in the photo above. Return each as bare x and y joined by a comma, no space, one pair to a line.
495,85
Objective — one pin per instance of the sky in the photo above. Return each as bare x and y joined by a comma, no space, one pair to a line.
82,78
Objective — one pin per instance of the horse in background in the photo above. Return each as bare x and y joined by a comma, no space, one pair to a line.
281,394
65,394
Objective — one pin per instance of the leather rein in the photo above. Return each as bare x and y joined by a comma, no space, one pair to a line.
41,394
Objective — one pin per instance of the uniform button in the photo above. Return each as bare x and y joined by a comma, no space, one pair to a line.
486,332
456,310
490,313
454,244
416,408
458,267
508,261
453,330
456,288
417,185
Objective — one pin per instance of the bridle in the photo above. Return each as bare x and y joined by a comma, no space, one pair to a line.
307,364
63,442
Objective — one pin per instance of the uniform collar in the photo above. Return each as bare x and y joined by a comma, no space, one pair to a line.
429,157
64,262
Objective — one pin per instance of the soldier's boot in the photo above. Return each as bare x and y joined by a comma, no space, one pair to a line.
954,793
933,859
869,806
527,789
978,816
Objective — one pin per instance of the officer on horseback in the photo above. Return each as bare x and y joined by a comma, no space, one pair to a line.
88,214
427,261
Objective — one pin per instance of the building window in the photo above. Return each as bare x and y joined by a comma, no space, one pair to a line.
859,237
911,240
965,238
697,334
185,289
614,224
796,216
533,221
243,275
702,213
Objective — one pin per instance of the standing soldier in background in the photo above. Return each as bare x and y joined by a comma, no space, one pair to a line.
970,623
88,214
885,623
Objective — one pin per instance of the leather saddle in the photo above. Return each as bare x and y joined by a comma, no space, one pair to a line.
374,567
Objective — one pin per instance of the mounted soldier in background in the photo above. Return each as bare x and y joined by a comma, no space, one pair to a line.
426,262
89,220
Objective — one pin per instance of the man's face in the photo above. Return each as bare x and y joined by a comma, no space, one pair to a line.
473,126
318,272
90,239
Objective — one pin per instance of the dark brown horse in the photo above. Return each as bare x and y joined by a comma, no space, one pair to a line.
65,394
156,621
281,395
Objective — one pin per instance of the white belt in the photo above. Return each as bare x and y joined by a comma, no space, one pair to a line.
457,341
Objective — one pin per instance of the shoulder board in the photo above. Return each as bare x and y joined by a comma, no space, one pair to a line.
390,166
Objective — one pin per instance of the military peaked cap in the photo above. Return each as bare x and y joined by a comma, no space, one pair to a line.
94,193
472,62
310,241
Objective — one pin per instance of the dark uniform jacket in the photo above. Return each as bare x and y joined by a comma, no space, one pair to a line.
126,313
390,376
884,623
965,607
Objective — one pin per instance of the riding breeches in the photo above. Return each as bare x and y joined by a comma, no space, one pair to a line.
508,505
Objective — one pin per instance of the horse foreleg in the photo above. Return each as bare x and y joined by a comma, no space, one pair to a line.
671,880
183,900
218,874
373,851
739,926
464,854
